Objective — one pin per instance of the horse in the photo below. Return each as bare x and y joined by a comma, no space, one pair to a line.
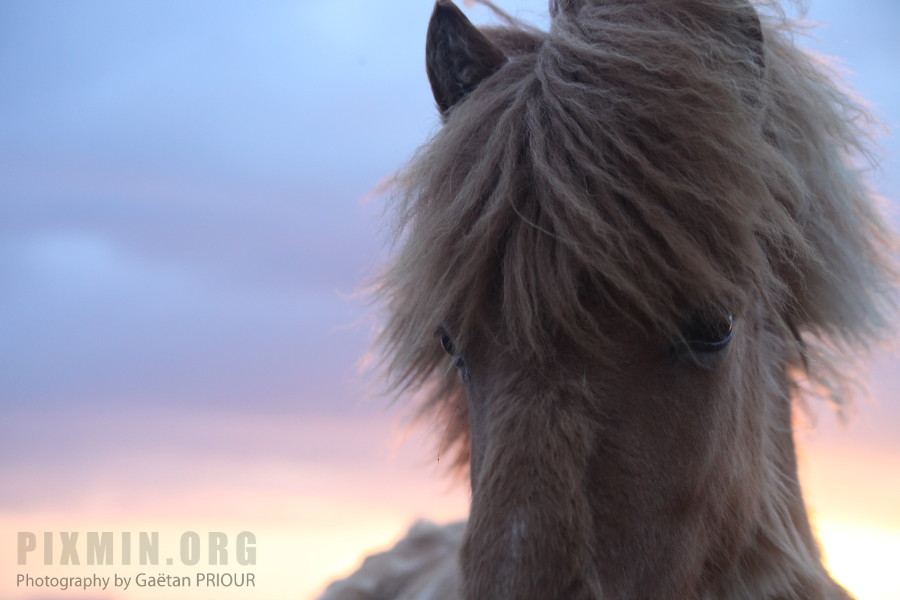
637,244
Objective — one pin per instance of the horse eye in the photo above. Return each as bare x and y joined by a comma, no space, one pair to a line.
446,342
708,334
449,348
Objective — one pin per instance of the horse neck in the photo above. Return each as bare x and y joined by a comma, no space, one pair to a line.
782,559
744,537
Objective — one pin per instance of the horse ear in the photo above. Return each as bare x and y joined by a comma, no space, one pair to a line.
737,18
748,25
738,21
565,6
458,56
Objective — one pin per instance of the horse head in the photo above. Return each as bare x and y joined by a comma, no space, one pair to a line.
636,236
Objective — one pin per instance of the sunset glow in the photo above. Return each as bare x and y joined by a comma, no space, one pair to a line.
862,558
314,521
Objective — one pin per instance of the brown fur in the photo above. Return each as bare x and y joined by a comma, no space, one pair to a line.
639,162
422,566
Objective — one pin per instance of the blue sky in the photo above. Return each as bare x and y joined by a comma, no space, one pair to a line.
186,206
184,187
183,199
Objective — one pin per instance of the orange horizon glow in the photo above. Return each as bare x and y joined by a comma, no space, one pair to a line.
315,522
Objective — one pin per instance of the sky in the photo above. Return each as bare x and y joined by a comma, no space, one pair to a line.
188,208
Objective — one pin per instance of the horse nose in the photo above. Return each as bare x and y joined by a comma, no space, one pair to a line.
529,559
530,524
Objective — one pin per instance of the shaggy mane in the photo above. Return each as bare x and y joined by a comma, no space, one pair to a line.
560,190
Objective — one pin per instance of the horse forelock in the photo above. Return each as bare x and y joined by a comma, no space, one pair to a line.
632,161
